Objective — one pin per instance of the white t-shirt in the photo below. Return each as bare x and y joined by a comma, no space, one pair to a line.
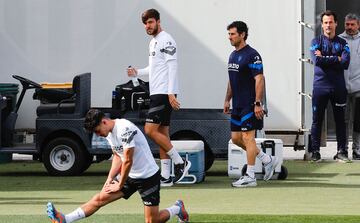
162,67
125,135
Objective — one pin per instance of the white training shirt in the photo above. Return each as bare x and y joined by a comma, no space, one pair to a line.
162,67
126,135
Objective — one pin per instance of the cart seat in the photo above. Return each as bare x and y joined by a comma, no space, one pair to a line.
77,105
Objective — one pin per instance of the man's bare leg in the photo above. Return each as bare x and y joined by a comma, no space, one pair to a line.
160,135
94,204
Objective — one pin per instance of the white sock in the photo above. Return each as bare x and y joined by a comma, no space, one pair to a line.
165,168
173,210
265,158
174,155
250,171
75,215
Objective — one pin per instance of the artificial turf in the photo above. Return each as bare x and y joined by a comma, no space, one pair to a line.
313,192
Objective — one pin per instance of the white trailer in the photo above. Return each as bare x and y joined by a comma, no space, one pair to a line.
53,41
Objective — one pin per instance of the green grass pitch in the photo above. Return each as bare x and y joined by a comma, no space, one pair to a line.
323,192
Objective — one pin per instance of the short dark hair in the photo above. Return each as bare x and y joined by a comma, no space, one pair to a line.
150,13
240,26
93,119
328,13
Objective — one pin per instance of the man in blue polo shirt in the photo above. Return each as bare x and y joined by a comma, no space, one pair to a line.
331,56
246,89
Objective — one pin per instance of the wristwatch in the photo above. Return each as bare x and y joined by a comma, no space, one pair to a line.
257,103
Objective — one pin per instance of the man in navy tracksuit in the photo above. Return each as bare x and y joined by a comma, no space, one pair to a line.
331,56
245,89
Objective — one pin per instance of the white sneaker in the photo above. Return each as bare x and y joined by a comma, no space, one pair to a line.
270,167
245,181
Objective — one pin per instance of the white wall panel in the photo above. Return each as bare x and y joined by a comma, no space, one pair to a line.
54,40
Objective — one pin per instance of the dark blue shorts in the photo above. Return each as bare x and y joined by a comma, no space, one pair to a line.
244,119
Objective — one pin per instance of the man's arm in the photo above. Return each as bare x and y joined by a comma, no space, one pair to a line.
324,61
169,51
132,71
321,60
115,166
345,57
126,166
125,169
114,170
259,94
172,84
228,97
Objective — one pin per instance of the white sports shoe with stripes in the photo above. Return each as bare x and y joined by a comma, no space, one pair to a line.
270,168
245,181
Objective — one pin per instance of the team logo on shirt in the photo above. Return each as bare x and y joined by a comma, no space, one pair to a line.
257,65
128,135
257,60
118,149
152,53
233,67
171,50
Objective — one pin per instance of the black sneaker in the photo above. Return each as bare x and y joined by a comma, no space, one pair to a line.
180,170
356,155
315,157
166,182
342,157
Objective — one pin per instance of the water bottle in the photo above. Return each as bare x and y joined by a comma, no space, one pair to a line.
134,80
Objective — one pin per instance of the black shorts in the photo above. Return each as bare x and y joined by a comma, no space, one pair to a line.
244,119
160,110
149,189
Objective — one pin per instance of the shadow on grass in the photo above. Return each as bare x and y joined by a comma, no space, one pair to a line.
31,176
16,202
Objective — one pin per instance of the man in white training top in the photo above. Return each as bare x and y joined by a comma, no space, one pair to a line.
133,169
164,87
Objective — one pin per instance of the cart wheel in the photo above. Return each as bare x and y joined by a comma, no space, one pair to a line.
65,156
283,173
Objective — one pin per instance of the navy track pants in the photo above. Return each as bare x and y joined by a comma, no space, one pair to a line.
320,99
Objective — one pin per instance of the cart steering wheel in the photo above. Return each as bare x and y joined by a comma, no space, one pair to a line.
27,82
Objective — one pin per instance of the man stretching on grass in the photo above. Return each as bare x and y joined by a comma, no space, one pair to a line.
133,169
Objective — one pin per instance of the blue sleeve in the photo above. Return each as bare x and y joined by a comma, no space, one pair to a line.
345,57
323,61
255,64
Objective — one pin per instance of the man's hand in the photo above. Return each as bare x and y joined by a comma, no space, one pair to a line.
131,71
114,186
174,102
227,107
259,112
107,182
318,53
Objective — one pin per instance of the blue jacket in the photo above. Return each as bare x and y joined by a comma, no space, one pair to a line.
329,71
